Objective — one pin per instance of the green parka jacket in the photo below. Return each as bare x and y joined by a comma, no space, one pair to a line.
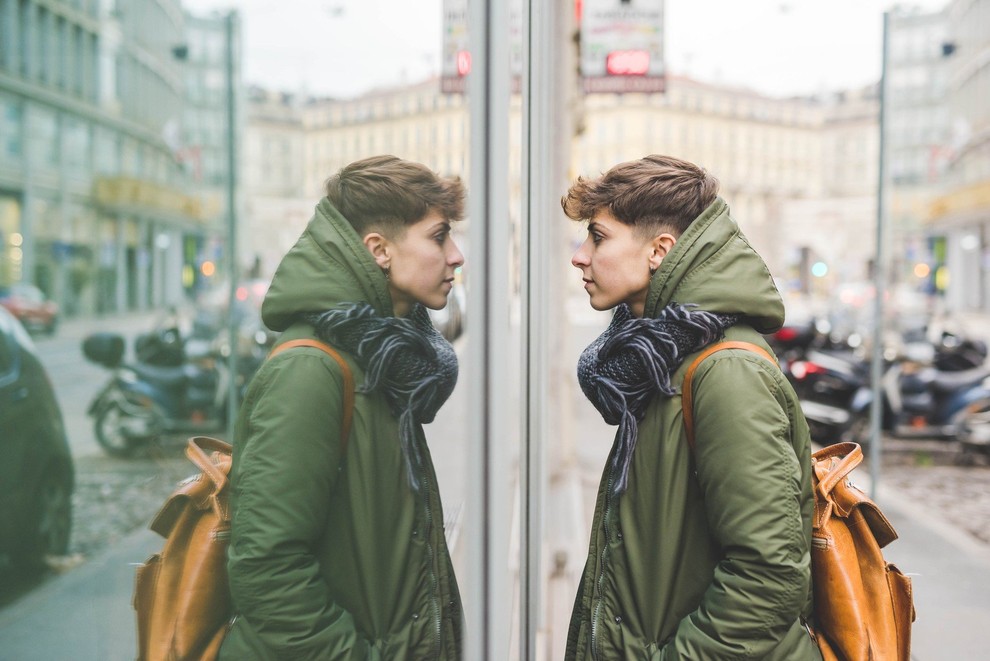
706,555
331,556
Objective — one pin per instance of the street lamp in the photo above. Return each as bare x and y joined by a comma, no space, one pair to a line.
181,52
879,266
231,220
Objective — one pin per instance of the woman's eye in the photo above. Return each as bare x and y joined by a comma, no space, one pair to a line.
440,238
596,238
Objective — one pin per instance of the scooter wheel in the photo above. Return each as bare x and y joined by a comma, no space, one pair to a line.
110,434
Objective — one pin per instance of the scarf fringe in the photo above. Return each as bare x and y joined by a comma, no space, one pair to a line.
633,360
404,358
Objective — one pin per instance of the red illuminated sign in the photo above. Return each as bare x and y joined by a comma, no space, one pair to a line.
463,63
628,63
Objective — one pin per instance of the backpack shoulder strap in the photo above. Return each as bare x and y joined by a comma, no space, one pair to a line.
687,395
345,427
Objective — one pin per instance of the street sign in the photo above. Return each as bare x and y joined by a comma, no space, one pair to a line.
622,45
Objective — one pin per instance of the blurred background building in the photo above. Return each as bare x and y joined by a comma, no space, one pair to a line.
279,197
98,204
113,154
800,173
958,220
918,133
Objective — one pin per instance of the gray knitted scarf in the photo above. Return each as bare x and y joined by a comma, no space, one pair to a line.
631,362
405,358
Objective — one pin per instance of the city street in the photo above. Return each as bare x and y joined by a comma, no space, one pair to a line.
154,153
76,380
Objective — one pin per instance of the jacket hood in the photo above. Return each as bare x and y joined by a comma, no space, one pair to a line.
328,265
713,266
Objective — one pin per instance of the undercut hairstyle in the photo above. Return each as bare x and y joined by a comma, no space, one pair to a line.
654,194
386,194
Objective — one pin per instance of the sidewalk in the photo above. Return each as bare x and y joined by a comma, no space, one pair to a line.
950,572
83,615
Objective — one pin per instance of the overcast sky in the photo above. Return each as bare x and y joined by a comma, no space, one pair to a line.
781,47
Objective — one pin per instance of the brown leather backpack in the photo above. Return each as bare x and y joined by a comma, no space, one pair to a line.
181,593
863,604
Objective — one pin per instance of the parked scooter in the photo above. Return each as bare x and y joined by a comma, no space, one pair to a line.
919,400
931,390
143,401
922,400
827,373
834,389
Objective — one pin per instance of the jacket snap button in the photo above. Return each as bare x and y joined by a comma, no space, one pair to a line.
415,533
618,535
618,619
415,616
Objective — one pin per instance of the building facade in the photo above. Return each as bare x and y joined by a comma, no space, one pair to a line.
201,141
94,207
958,221
799,173
763,151
279,196
918,137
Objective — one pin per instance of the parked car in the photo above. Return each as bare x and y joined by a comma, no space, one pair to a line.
29,305
36,470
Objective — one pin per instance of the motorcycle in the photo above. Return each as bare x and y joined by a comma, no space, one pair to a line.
143,401
935,389
834,390
921,400
827,373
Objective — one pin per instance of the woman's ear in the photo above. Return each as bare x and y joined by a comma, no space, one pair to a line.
378,246
661,245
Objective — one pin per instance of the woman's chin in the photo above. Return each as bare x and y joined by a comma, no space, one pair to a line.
600,305
435,304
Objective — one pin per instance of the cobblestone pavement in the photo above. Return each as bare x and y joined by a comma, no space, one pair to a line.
112,498
116,496
925,472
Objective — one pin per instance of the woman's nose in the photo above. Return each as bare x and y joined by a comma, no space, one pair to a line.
580,258
456,258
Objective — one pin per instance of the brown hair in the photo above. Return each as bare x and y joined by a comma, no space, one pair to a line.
387,193
654,194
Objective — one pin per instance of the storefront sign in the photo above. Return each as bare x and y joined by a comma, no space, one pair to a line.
622,45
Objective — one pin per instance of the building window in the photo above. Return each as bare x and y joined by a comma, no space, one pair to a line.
106,154
76,147
10,129
44,137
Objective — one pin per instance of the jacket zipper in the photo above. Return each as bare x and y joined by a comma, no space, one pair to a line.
595,653
430,554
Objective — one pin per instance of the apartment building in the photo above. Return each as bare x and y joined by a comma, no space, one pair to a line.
799,173
95,206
